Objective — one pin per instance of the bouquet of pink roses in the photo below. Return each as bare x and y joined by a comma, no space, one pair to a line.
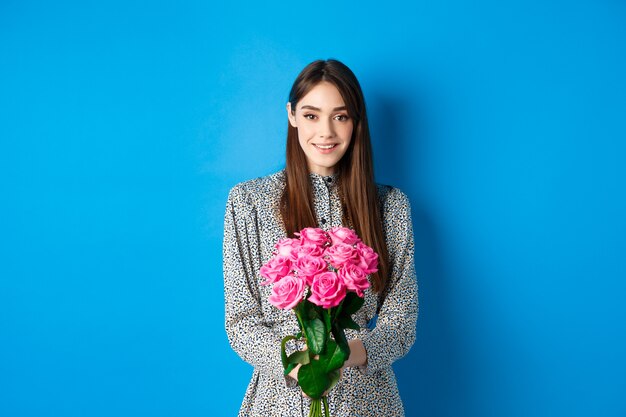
321,276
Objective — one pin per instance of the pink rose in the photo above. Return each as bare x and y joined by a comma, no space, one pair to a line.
340,254
285,246
309,266
343,235
327,290
306,250
367,258
313,236
275,269
287,292
354,278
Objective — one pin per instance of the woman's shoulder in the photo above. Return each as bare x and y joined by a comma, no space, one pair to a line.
396,214
260,189
392,197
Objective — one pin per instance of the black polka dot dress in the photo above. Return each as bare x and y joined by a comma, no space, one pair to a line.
255,328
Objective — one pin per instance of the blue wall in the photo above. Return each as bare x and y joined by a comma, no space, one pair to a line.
122,127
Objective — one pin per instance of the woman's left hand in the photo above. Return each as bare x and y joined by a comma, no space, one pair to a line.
358,354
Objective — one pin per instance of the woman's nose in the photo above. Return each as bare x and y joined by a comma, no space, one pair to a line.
326,129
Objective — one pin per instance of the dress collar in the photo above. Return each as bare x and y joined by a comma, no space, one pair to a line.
326,179
315,178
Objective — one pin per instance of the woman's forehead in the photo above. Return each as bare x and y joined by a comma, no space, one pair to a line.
323,97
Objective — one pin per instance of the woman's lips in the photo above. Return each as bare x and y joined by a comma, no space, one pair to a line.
325,148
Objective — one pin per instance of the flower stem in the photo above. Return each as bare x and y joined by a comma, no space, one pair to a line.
338,310
300,322
316,407
327,320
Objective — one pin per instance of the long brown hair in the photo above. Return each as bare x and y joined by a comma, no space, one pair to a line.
359,198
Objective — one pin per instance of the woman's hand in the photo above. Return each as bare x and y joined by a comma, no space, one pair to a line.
358,357
358,354
294,373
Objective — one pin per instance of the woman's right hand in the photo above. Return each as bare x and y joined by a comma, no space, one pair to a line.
294,374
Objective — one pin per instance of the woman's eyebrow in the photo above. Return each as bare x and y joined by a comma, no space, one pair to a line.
318,109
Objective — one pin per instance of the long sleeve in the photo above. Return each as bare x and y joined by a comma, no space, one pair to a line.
254,340
394,333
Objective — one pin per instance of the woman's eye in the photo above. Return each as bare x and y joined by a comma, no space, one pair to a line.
309,116
342,117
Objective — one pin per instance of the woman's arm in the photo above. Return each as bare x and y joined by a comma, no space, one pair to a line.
394,333
254,340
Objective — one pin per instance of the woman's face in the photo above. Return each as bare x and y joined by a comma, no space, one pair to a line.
324,127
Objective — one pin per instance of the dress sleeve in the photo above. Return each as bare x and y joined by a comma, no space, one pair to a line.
254,340
394,333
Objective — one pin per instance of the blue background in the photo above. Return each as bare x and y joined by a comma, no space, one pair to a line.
123,125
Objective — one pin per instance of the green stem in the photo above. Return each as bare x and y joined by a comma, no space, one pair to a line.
325,407
339,307
316,408
300,323
327,321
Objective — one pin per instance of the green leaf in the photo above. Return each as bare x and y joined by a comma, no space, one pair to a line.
315,335
313,379
283,354
300,356
352,303
290,367
309,311
346,322
333,378
334,357
340,338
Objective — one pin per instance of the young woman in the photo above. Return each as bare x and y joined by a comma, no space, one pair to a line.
328,181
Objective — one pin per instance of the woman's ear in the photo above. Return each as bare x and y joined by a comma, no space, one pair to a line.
291,116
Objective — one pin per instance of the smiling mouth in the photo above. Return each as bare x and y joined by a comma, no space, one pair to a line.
325,147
